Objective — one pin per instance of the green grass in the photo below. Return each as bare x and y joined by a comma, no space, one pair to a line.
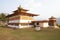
29,34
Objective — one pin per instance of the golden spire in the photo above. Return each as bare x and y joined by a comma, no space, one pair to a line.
20,7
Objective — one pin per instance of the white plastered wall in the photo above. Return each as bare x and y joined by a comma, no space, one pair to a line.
13,26
45,24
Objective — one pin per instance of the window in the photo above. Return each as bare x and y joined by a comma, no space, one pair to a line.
37,23
24,24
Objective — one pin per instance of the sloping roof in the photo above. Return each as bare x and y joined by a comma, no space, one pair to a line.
22,13
52,17
18,12
42,21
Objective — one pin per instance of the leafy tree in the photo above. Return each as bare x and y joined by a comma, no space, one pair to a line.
3,17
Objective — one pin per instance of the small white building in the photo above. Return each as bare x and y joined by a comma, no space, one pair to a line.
47,23
43,23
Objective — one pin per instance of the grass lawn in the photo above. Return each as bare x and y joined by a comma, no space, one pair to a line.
29,34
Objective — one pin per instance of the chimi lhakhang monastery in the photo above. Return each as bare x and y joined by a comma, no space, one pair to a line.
22,19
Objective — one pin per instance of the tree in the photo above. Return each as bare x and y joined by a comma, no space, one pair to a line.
3,17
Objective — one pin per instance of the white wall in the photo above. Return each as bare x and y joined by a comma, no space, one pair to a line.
13,26
41,24
26,26
25,21
14,21
19,26
45,24
20,21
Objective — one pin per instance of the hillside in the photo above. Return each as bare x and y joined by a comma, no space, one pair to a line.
29,34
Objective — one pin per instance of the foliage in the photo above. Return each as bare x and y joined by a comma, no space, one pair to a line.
3,17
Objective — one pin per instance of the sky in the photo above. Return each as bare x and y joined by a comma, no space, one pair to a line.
44,8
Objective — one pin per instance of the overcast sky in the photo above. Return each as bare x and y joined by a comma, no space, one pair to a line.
45,8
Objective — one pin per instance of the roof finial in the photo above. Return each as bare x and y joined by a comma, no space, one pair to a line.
20,7
52,17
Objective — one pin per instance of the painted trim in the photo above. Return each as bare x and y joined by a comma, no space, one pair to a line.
27,26
14,21
13,26
43,24
25,21
20,21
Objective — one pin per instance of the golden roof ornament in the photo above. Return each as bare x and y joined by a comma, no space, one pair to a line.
21,8
52,17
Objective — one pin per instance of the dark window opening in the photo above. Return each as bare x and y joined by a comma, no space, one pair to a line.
37,23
